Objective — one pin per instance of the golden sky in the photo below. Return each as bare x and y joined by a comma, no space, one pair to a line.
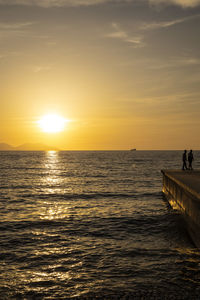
125,73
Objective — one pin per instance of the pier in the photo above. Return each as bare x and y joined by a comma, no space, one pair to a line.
182,190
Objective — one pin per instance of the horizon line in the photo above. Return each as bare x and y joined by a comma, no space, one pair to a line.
107,150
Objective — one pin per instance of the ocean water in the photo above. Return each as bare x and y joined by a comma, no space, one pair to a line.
92,225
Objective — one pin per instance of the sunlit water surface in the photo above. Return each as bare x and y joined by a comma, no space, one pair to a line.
92,224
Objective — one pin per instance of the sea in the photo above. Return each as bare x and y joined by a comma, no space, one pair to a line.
93,225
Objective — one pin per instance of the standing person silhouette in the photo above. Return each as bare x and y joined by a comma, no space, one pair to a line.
190,159
184,158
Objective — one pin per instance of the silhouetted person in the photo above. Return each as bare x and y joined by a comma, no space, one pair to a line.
184,158
190,159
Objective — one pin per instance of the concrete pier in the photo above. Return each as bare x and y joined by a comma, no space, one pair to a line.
182,189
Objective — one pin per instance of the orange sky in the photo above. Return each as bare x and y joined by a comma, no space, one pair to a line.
125,73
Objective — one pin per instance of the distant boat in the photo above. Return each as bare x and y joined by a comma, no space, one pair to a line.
133,149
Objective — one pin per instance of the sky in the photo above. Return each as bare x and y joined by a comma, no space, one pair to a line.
125,73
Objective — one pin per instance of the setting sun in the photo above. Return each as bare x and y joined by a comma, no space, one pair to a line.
52,123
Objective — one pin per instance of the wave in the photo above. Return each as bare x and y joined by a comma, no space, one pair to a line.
104,225
98,195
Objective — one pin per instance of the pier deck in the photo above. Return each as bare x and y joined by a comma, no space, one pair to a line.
191,179
182,189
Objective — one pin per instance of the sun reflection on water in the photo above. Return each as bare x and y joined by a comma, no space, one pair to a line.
51,159
52,187
51,165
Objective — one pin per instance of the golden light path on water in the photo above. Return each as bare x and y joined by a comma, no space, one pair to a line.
52,185
54,211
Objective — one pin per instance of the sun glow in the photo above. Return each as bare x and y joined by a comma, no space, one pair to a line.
52,123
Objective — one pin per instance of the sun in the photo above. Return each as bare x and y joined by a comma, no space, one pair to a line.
52,123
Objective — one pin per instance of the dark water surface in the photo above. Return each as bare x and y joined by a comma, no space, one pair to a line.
92,225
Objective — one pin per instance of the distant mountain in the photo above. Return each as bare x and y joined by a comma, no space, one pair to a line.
27,147
4,146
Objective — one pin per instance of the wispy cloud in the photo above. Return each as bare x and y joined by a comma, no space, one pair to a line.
14,26
14,29
60,3
188,61
10,54
37,69
183,3
176,63
51,3
166,24
118,33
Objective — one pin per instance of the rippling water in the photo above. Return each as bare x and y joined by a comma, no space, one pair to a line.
92,225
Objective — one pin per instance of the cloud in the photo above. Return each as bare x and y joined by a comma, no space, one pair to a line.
183,3
37,69
52,3
118,33
14,26
158,25
61,3
188,61
14,29
9,54
176,63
